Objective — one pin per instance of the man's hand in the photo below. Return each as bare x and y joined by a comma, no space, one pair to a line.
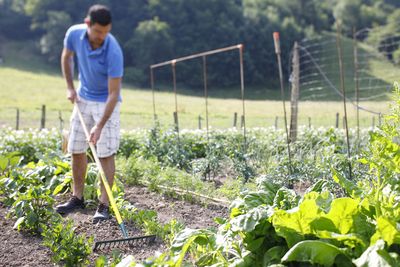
72,96
95,133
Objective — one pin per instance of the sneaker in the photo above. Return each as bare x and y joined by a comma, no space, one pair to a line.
102,213
71,205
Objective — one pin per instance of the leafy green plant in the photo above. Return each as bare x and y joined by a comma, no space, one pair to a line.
8,162
114,260
67,247
32,209
316,229
147,220
197,242
32,145
48,175
314,153
149,172
129,144
317,253
9,173
170,230
92,190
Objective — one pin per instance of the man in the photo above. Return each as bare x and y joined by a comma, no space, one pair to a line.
100,64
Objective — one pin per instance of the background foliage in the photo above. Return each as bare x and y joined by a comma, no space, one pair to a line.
151,31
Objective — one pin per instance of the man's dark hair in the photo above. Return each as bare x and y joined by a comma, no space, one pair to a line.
99,14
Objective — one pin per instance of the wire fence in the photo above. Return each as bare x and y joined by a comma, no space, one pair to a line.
370,66
369,69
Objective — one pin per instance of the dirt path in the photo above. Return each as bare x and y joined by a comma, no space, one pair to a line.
192,215
19,249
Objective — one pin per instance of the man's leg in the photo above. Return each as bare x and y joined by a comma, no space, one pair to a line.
107,147
79,166
77,146
103,210
108,165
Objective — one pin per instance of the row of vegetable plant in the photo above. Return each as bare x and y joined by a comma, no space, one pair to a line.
270,223
277,226
29,191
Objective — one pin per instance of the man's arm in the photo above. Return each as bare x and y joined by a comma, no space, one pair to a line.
114,87
67,64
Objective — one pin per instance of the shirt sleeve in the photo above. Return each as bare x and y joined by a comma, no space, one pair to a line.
115,62
68,40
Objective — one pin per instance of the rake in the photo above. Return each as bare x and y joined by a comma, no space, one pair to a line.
130,241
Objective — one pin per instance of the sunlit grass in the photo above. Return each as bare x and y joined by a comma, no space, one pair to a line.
28,83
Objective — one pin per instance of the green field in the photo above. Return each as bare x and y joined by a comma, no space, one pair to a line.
27,83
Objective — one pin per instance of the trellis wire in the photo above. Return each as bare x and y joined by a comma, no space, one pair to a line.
317,70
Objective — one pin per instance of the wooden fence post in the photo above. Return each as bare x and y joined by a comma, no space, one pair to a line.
199,122
234,119
379,119
61,121
175,120
337,120
17,120
43,119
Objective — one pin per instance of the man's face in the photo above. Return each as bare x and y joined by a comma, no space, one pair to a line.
98,33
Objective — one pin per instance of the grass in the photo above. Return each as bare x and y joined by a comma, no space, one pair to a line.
28,83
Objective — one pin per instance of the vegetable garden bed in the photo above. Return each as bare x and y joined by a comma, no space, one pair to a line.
23,249
305,211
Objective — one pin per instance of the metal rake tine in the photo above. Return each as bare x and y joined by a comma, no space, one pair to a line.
140,240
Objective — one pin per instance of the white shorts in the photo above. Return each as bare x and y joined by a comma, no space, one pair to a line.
108,143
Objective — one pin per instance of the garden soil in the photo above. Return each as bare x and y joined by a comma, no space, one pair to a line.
22,249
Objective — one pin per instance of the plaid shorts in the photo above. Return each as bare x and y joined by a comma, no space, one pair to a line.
108,143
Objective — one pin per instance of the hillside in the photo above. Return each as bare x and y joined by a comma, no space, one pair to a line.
28,83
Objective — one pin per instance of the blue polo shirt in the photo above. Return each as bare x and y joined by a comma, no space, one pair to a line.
95,66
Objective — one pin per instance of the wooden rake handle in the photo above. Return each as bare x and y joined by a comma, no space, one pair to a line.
98,163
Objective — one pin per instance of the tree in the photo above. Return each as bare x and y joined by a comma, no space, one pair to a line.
358,14
387,37
156,30
14,24
151,43
51,42
198,26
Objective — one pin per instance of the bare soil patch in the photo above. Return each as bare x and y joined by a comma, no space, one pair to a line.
21,249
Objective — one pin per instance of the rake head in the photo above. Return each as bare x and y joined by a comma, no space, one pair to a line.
131,241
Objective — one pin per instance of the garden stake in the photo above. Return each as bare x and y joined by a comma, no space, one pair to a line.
278,57
116,242
339,49
357,87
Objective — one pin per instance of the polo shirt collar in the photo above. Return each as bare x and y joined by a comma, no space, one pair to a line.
98,51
